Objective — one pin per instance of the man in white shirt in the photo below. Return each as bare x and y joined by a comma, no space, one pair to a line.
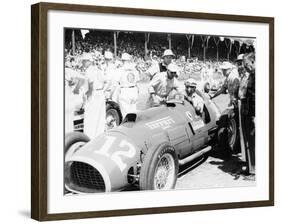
156,68
231,83
94,115
72,79
162,85
128,90
111,76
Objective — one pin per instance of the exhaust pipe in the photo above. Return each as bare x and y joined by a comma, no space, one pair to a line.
195,155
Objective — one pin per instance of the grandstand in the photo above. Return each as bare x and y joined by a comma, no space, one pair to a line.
143,45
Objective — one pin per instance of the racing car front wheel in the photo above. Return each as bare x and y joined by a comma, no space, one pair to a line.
159,169
73,141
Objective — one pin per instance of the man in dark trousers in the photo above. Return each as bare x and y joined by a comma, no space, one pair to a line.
247,112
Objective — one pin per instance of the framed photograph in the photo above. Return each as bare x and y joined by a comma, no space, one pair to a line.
139,111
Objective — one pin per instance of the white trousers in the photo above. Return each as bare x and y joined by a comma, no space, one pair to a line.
94,116
127,100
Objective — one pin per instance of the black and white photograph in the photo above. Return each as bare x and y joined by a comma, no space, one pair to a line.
157,111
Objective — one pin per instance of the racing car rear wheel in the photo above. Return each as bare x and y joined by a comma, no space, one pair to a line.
232,134
228,137
159,169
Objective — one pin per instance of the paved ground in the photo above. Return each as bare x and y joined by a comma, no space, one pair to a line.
213,170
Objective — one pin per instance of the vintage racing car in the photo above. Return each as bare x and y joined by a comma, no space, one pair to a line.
147,149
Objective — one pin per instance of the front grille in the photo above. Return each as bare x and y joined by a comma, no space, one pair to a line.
86,178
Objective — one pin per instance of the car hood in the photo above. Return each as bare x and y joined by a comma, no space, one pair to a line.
111,154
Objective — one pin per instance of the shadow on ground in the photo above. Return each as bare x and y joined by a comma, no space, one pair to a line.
229,163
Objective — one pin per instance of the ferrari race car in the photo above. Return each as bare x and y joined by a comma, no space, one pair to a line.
147,149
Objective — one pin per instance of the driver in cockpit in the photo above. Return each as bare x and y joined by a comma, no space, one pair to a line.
192,97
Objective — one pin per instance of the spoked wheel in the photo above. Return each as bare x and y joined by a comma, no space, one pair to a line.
165,173
228,137
159,169
232,133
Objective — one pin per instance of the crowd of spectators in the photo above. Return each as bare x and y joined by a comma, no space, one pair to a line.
97,42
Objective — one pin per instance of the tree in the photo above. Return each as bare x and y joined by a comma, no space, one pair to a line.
169,38
228,43
205,40
190,40
237,46
146,41
217,42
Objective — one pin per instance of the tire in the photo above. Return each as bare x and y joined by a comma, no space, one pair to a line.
223,147
113,116
233,134
228,137
150,168
73,141
74,138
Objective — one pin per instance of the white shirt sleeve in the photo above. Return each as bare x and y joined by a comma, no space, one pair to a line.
153,69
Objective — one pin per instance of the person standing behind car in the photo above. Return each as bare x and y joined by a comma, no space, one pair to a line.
128,92
244,75
248,111
72,78
94,115
242,104
162,85
111,76
231,83
167,57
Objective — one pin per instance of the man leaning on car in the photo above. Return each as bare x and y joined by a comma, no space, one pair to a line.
167,58
162,85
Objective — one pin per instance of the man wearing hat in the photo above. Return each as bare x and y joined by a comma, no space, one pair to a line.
111,74
128,91
163,65
247,112
162,85
72,79
243,74
192,97
231,83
